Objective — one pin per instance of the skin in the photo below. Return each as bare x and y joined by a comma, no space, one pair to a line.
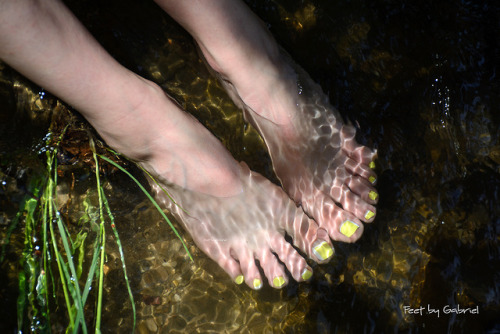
300,127
235,216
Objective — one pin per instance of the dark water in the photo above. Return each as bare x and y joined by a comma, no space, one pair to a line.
418,79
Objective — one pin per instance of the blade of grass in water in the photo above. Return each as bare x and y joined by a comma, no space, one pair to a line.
33,281
69,282
102,237
25,275
61,273
120,249
151,199
163,189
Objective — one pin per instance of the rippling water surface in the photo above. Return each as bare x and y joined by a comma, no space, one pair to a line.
420,82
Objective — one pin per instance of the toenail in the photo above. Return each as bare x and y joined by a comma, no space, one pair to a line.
257,284
372,165
306,274
372,179
373,195
239,279
323,251
369,214
348,228
278,281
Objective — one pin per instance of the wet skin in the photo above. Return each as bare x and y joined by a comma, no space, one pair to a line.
235,216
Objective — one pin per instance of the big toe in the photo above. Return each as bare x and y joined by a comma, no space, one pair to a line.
310,238
340,224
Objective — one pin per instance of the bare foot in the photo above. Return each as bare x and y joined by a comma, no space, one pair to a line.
314,153
234,215
237,230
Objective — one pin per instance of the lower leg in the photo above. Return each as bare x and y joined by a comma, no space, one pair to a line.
233,39
46,43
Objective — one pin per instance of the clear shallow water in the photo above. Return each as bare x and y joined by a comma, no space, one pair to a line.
420,82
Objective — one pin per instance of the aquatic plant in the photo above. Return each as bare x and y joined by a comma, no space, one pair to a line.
54,272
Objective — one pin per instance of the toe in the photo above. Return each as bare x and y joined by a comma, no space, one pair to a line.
274,271
357,205
348,230
294,262
309,238
249,269
363,155
362,188
232,268
363,170
225,259
358,152
340,224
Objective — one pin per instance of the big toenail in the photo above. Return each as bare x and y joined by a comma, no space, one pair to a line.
323,251
278,282
372,179
373,195
306,274
239,279
369,214
372,165
257,284
348,228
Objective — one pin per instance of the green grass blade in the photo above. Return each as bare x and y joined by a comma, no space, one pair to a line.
73,285
72,281
122,257
64,285
163,189
152,201
103,244
101,280
92,271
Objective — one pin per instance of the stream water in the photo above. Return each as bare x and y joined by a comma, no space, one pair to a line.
420,82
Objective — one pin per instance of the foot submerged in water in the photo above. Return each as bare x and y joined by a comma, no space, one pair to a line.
235,216
237,230
314,154
317,159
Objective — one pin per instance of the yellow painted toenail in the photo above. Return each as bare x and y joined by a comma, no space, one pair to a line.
323,251
372,179
348,228
307,274
278,282
369,214
372,165
239,279
257,284
373,195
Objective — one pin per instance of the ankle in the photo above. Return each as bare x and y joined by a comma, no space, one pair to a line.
123,119
178,150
